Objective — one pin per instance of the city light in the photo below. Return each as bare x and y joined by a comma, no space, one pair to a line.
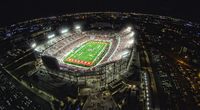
64,31
33,45
51,36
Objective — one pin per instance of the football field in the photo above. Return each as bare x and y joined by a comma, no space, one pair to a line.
88,54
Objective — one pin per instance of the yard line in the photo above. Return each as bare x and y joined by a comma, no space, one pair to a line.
99,53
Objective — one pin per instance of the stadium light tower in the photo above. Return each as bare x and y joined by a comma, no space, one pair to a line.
131,41
129,28
132,33
77,27
33,45
36,49
64,31
125,53
51,36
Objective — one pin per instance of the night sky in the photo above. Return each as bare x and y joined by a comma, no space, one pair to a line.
12,11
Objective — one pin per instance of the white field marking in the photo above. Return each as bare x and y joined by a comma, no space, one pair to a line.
93,60
80,47
105,54
89,50
76,51
65,55
99,53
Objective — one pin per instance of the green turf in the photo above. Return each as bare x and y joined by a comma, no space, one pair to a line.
88,54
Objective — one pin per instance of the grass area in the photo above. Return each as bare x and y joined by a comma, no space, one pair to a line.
88,54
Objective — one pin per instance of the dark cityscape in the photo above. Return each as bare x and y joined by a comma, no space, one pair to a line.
99,55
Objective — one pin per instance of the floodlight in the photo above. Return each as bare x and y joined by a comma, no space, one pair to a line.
33,45
132,34
77,27
37,49
51,36
125,54
129,29
131,41
64,31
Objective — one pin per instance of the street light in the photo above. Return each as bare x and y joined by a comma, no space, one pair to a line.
51,36
147,91
147,103
64,31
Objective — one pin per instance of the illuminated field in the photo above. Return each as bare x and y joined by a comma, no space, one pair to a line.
88,54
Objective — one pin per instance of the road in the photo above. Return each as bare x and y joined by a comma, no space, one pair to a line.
146,65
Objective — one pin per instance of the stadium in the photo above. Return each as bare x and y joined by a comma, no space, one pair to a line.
100,61
90,58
